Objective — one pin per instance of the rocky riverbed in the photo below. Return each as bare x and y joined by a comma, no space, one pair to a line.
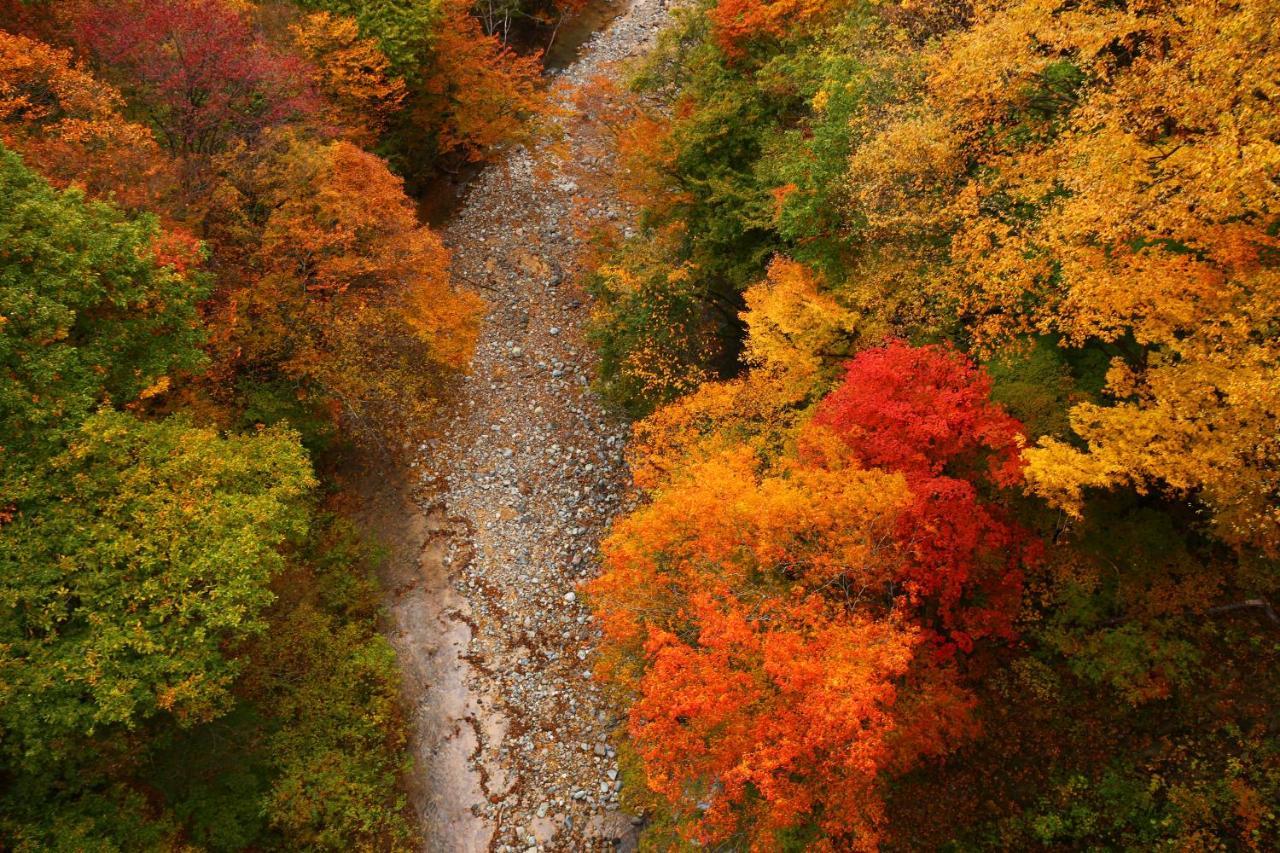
504,517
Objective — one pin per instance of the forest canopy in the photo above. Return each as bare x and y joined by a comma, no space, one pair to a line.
215,292
953,332
951,335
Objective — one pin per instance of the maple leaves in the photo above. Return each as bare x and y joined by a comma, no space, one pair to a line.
788,713
737,21
200,69
216,89
923,411
772,600
142,551
763,703
926,412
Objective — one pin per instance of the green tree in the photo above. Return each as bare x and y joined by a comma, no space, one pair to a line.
87,315
149,547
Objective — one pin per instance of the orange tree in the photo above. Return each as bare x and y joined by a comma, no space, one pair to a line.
784,611
71,127
341,290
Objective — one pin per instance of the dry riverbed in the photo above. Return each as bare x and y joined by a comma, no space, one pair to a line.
503,518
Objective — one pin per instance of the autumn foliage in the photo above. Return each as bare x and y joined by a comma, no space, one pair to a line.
354,296
927,413
362,92
72,127
952,333
480,92
1006,272
770,611
198,68
739,21
209,285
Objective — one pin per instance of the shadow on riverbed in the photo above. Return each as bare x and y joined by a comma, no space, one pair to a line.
571,38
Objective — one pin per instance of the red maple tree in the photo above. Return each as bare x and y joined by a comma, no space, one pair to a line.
927,413
199,67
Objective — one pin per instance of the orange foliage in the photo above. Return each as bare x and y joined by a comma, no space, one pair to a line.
70,128
759,412
353,75
479,93
178,249
769,604
738,21
724,604
344,288
787,708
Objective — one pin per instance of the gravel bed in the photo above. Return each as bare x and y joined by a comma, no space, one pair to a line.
514,737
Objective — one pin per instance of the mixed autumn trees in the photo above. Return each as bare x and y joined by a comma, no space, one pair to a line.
208,281
954,327
955,331
788,613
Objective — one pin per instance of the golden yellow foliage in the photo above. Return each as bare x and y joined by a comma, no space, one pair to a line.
794,326
352,73
1107,174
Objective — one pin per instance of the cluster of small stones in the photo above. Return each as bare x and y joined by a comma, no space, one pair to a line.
530,466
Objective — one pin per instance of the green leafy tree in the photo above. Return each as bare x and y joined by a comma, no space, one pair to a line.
150,546
87,315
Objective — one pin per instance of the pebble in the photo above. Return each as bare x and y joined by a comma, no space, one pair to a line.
533,464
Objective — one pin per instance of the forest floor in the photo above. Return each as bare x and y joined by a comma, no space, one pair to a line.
504,510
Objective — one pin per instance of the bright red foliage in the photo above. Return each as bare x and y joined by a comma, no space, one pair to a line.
954,546
200,68
919,410
927,412
773,613
790,712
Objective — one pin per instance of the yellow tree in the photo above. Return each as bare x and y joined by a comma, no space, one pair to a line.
353,75
1106,176
794,326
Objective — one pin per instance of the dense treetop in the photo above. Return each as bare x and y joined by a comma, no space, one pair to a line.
1011,269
